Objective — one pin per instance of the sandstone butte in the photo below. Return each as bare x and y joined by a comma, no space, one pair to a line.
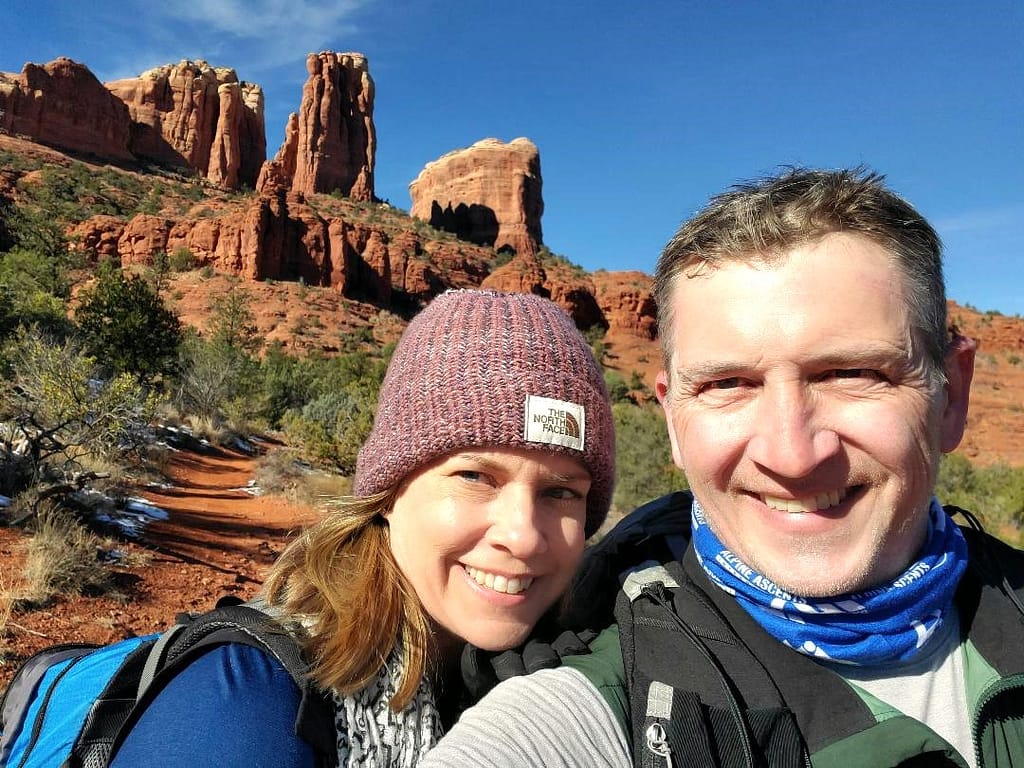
62,104
488,193
330,144
191,115
196,116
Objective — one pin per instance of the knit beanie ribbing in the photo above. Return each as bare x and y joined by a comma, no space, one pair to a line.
488,369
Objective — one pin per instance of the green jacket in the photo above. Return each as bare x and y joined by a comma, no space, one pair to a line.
839,724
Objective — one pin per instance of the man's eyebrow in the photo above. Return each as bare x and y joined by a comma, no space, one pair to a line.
708,371
861,356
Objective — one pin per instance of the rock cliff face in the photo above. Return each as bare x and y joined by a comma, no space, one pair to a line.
489,194
620,302
63,104
280,237
197,116
330,144
189,114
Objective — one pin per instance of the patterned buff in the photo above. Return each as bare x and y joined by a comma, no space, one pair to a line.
369,734
885,624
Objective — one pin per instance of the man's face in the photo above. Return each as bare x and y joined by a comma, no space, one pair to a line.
801,410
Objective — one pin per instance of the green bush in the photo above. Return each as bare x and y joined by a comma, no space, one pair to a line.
643,457
182,260
126,326
995,494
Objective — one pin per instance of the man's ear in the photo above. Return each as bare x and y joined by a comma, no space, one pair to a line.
661,391
959,373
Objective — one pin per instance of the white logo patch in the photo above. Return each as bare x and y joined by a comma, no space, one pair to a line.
555,422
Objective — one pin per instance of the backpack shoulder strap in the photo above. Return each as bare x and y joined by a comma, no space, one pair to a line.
650,534
144,675
697,695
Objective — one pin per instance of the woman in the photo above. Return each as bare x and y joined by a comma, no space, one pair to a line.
489,464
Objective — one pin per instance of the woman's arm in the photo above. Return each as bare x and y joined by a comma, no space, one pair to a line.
233,707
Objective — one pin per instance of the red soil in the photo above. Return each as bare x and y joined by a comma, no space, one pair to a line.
219,540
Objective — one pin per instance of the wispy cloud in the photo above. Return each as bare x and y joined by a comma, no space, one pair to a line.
265,19
982,219
252,36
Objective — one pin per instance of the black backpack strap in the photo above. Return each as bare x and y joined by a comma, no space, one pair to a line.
652,533
698,696
147,670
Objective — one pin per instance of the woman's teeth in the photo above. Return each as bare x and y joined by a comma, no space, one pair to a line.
809,504
499,583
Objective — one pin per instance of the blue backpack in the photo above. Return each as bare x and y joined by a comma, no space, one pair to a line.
72,705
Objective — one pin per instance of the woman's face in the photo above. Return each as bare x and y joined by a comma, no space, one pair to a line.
490,538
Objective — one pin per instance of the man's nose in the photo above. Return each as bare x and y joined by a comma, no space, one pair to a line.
788,437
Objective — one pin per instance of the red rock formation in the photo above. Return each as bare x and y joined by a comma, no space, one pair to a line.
142,237
197,116
331,143
489,194
280,237
97,237
571,290
63,104
627,303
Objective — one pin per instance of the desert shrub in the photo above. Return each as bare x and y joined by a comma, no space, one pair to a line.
995,494
284,384
618,389
332,427
54,400
181,260
215,378
126,326
643,458
62,557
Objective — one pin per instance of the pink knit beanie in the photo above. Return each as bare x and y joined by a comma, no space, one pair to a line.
481,368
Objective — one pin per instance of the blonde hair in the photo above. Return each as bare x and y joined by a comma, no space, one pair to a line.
340,582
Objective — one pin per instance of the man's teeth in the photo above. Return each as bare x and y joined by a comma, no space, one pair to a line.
499,583
810,504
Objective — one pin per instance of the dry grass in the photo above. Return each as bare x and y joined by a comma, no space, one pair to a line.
279,472
8,596
62,557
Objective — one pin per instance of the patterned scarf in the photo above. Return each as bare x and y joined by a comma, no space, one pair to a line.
888,623
370,734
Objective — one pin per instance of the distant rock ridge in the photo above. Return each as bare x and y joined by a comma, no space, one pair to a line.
189,115
489,193
63,105
196,116
331,142
281,237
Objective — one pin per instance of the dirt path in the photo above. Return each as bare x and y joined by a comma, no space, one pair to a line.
219,539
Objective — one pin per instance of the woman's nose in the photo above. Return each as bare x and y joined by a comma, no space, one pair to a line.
516,522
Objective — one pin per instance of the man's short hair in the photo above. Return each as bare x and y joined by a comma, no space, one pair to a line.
763,219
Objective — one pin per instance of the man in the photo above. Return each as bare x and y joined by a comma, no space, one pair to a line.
811,603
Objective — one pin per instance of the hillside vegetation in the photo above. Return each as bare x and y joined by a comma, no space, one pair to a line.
98,362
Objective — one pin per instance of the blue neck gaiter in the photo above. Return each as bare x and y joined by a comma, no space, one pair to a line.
888,623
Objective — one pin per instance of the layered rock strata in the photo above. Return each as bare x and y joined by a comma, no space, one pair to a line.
330,143
489,194
196,116
62,104
280,237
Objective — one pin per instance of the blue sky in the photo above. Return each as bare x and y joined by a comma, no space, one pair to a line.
640,110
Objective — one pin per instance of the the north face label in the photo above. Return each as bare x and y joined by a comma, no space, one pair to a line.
555,422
